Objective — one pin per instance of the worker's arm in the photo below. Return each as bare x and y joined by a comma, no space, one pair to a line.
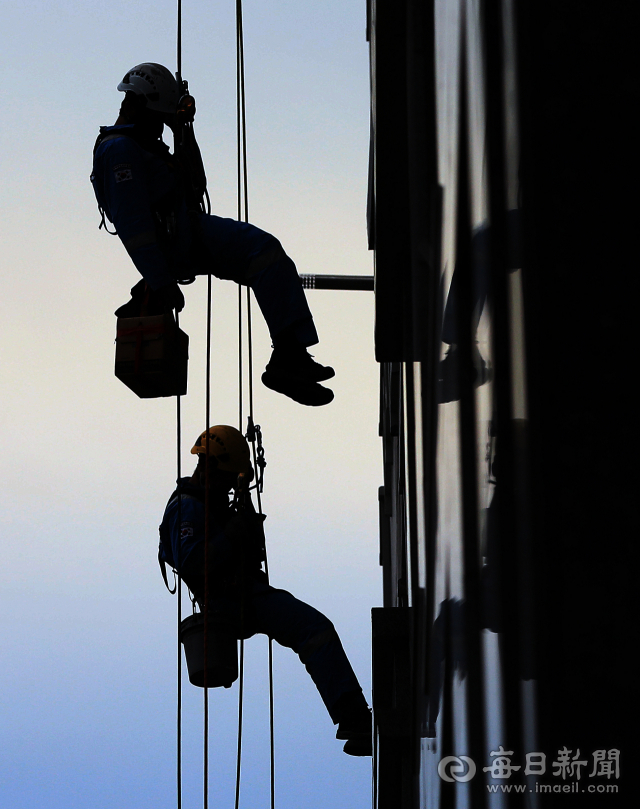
186,532
185,527
122,180
245,533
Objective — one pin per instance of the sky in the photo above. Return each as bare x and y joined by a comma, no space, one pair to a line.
88,675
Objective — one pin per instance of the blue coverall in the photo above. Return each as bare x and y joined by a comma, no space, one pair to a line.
140,191
271,612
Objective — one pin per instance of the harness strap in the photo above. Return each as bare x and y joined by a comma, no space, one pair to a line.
163,570
142,329
110,136
140,240
190,492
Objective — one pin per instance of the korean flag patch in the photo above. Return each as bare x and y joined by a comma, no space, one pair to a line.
123,173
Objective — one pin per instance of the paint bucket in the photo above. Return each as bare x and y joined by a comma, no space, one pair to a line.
222,650
152,355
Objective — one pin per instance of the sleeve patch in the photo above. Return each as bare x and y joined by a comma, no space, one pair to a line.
122,174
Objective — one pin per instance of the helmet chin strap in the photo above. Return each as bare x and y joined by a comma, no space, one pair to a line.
134,110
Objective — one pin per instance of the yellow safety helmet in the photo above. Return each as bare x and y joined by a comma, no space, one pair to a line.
228,446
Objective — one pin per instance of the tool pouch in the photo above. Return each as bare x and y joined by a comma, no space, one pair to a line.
221,650
152,355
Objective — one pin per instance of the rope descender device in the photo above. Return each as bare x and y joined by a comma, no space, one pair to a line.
254,437
186,111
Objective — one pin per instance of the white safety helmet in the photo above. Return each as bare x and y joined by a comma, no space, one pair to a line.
156,83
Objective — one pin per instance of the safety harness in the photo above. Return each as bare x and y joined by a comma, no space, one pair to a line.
165,553
190,184
243,526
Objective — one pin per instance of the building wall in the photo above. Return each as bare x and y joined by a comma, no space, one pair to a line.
490,540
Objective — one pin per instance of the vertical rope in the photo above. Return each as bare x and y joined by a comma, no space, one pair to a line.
241,145
179,475
266,562
271,735
240,704
240,391
179,594
179,41
243,214
241,170
206,549
250,376
243,185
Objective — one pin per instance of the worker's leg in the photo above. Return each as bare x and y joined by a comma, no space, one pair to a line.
313,637
245,254
281,298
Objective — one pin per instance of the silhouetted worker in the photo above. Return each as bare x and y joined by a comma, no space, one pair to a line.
238,587
154,200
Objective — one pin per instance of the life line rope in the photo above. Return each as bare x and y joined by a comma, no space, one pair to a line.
178,588
253,430
253,435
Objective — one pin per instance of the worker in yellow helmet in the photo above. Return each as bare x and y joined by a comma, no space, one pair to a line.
238,586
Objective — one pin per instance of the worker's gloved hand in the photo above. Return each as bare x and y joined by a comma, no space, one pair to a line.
240,527
172,297
245,533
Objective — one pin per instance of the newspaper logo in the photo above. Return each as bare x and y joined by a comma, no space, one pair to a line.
454,768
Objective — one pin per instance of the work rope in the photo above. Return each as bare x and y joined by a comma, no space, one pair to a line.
179,485
253,430
206,549
179,44
254,436
243,215
178,587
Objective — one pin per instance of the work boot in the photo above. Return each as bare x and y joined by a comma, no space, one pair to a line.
362,746
357,733
293,372
152,302
355,726
293,358
132,307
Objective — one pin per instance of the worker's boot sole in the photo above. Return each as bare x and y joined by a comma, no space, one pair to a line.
300,390
322,372
359,746
132,307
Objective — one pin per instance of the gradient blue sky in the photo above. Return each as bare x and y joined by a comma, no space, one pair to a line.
87,683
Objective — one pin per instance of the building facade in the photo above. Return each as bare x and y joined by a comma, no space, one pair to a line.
498,656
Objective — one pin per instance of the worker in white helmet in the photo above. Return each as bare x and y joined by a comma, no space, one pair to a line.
154,199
